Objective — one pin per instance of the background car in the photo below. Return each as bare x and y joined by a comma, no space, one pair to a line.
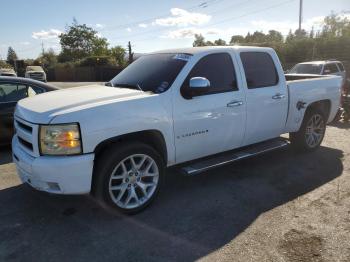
12,89
36,73
7,72
328,67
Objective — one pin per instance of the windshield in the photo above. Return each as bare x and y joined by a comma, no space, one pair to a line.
34,68
306,69
155,72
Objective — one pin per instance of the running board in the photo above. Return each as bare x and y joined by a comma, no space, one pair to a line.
233,156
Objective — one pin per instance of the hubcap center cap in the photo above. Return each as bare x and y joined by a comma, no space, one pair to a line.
132,176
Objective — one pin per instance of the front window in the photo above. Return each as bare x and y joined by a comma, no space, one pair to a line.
314,69
153,73
12,92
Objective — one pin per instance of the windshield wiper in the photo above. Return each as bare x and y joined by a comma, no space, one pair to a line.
137,86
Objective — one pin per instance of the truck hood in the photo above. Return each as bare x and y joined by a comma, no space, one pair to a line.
41,109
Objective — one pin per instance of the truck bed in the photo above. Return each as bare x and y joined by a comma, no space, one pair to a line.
293,77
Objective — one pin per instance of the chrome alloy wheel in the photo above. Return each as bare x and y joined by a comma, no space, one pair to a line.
315,130
133,181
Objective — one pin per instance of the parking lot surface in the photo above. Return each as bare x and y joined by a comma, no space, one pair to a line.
281,206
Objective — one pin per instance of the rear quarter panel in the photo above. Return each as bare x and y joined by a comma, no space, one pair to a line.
310,91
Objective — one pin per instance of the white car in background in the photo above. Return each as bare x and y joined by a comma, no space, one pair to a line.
7,72
36,73
328,67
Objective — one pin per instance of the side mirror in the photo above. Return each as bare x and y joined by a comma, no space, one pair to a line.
197,86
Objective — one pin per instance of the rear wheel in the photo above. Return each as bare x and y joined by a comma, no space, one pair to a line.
311,133
128,177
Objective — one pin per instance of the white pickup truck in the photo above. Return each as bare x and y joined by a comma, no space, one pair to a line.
194,108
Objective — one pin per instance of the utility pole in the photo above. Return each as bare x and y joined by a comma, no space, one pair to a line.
300,14
131,54
42,48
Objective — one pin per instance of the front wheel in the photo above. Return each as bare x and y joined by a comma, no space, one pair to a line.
311,133
129,176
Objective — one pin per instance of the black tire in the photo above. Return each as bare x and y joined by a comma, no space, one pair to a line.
299,139
110,159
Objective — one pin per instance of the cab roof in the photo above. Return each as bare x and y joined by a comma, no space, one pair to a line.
205,49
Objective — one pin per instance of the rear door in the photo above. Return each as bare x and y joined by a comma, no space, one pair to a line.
266,95
10,94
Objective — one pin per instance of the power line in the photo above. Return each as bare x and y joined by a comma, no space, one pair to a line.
203,4
164,29
253,12
235,17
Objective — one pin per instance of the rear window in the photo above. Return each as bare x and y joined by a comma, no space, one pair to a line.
314,69
259,68
331,68
341,67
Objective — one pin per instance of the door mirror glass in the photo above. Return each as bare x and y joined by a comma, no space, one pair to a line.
198,86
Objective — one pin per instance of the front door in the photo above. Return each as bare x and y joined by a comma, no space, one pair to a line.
214,121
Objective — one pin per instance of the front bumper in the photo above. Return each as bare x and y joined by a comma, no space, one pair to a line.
59,175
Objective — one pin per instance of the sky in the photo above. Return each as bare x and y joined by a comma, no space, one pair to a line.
152,25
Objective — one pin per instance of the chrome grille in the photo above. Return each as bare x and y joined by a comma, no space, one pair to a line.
27,134
36,76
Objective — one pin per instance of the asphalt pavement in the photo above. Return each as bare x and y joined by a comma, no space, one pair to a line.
280,206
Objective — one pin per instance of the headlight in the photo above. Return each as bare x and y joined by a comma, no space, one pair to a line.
60,139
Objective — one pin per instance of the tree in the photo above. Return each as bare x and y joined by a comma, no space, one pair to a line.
300,33
335,25
11,56
290,37
81,41
198,40
256,37
48,58
220,42
237,39
118,53
3,64
274,36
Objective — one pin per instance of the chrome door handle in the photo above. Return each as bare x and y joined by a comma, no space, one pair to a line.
235,103
278,96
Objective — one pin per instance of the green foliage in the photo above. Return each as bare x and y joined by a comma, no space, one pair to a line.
47,59
237,39
3,64
198,40
118,54
11,56
81,41
97,61
332,42
220,42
